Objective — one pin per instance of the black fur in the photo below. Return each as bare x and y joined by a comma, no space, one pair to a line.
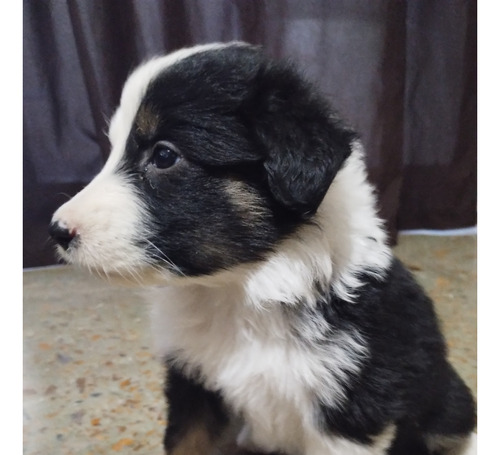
407,379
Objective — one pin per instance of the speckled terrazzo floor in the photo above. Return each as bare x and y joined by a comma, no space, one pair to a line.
91,385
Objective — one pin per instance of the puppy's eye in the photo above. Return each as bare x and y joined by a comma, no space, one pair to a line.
164,155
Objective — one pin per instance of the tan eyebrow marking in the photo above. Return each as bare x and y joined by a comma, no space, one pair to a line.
147,121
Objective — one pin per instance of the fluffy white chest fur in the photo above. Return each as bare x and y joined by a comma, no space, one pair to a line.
246,353
266,374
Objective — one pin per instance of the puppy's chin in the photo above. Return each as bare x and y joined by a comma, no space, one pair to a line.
140,278
137,276
149,276
145,277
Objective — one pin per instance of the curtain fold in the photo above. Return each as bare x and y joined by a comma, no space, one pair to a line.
403,74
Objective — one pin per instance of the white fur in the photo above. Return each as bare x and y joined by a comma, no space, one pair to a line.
471,447
266,374
335,250
107,217
320,445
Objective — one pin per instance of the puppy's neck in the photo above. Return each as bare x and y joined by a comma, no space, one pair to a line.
345,240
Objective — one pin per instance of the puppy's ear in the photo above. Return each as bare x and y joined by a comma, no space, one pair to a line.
303,141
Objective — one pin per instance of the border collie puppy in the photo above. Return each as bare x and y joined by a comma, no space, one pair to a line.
236,194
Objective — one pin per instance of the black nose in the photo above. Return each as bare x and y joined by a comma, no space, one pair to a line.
63,236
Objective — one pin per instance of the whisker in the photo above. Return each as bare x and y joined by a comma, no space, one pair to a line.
165,262
65,195
165,259
129,277
135,275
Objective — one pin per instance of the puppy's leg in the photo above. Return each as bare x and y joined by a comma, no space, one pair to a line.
448,430
196,417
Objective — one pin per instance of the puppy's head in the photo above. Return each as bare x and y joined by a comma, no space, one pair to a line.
217,155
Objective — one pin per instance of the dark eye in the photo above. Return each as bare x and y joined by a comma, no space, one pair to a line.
164,155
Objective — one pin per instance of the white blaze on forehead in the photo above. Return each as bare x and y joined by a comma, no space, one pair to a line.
134,91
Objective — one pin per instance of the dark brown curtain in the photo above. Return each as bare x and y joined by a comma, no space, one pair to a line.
402,73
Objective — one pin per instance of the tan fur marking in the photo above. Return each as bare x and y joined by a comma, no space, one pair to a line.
147,121
452,445
197,441
384,440
245,200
